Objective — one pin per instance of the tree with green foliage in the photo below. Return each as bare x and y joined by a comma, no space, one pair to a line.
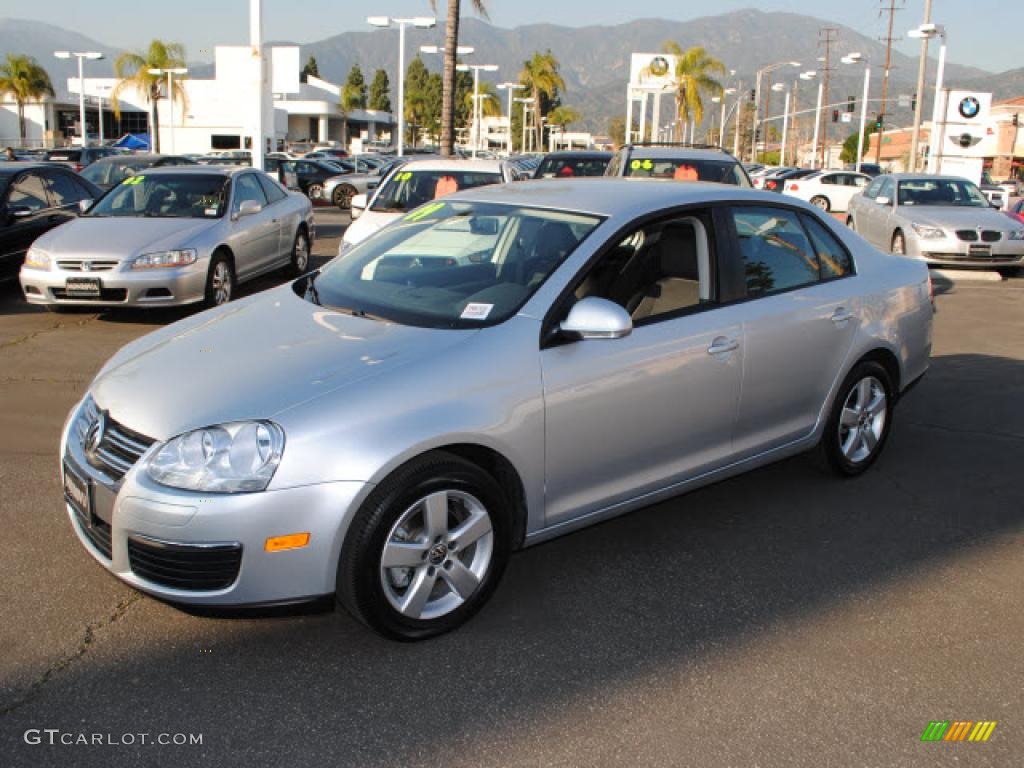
450,101
23,78
849,153
380,91
694,76
132,71
310,70
417,100
544,83
617,130
353,93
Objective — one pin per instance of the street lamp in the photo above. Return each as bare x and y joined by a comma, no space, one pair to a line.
80,55
928,31
511,88
811,75
857,58
757,100
420,22
476,68
462,50
171,72
526,102
780,88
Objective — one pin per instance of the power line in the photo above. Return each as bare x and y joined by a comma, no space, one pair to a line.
888,6
827,37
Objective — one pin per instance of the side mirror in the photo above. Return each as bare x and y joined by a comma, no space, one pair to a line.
883,200
85,204
248,208
597,318
358,205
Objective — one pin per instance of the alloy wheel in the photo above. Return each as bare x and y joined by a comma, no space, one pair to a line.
221,283
300,257
862,422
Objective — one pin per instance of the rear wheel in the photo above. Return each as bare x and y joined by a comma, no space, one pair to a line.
860,420
899,244
822,202
315,191
343,195
220,281
300,254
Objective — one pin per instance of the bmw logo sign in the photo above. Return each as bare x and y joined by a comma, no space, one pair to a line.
659,66
969,107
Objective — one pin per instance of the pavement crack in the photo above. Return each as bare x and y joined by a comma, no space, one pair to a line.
88,638
55,327
972,432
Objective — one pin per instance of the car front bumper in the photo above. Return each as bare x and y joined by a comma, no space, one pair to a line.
164,541
950,251
119,287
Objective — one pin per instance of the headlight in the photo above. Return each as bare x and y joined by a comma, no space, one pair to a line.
928,232
180,258
1017,234
228,458
37,259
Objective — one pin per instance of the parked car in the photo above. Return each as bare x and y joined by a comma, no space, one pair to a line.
108,172
868,169
35,198
828,190
313,174
341,189
326,153
395,430
943,220
172,236
770,172
1012,187
1016,211
418,181
778,182
996,193
573,163
680,162
77,158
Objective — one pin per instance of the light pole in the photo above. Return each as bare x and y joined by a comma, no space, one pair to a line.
757,101
928,31
922,66
781,88
476,68
170,98
80,55
420,22
857,58
526,102
511,88
811,75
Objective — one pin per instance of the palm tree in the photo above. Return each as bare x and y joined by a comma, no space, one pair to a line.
132,70
693,76
451,45
541,78
563,116
22,77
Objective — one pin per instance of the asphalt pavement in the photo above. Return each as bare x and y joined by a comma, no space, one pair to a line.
783,618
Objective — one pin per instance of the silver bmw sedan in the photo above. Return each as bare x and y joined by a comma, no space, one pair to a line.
171,236
497,368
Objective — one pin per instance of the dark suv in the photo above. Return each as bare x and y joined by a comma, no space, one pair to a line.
77,158
681,162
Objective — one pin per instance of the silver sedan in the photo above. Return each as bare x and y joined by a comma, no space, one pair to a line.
942,220
171,236
402,420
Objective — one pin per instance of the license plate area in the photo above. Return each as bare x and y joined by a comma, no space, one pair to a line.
983,251
78,493
83,287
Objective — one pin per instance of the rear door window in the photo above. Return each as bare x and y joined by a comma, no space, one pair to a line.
28,192
776,251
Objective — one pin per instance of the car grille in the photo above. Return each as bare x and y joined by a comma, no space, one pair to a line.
979,254
98,534
185,566
972,235
119,449
108,295
75,265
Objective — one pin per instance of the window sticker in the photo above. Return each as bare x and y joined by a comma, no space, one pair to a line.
131,181
426,210
647,165
476,311
635,165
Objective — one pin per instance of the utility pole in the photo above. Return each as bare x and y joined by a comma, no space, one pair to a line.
915,141
888,6
827,37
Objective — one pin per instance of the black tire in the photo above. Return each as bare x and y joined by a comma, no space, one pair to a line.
342,196
1010,272
850,224
899,244
830,449
359,586
299,264
315,191
220,281
820,201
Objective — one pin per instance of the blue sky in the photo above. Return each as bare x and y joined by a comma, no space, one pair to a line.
974,25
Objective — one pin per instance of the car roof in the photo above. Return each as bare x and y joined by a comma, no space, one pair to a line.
454,164
200,170
921,177
582,153
614,196
9,168
669,153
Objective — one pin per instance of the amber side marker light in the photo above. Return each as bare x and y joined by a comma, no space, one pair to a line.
288,541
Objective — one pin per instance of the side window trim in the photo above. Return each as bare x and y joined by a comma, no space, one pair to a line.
804,217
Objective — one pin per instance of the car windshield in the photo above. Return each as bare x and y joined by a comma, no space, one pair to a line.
450,264
191,196
112,173
567,167
688,169
407,189
941,192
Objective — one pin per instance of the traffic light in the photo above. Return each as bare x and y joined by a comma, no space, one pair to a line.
753,94
913,102
879,119
1016,119
850,101
835,115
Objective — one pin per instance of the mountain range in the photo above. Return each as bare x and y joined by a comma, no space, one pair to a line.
594,59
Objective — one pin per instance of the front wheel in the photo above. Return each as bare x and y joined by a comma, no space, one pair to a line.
220,281
343,195
899,244
820,201
315,191
426,550
300,254
860,420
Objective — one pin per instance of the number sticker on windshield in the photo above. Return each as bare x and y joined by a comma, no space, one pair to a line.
131,181
426,210
635,165
403,176
476,311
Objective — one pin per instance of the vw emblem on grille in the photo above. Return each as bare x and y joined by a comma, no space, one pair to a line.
87,266
94,435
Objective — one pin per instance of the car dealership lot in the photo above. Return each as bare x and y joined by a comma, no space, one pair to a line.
780,618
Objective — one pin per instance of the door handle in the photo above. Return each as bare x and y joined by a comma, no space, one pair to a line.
722,345
841,316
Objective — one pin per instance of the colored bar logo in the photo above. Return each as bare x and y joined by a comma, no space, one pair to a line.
958,730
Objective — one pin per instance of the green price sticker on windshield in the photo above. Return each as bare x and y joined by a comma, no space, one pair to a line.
404,176
635,165
131,181
426,210
648,165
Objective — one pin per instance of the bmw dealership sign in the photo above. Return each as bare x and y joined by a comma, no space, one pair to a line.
968,108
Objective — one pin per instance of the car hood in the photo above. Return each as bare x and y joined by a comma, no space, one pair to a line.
368,223
956,218
120,237
253,359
